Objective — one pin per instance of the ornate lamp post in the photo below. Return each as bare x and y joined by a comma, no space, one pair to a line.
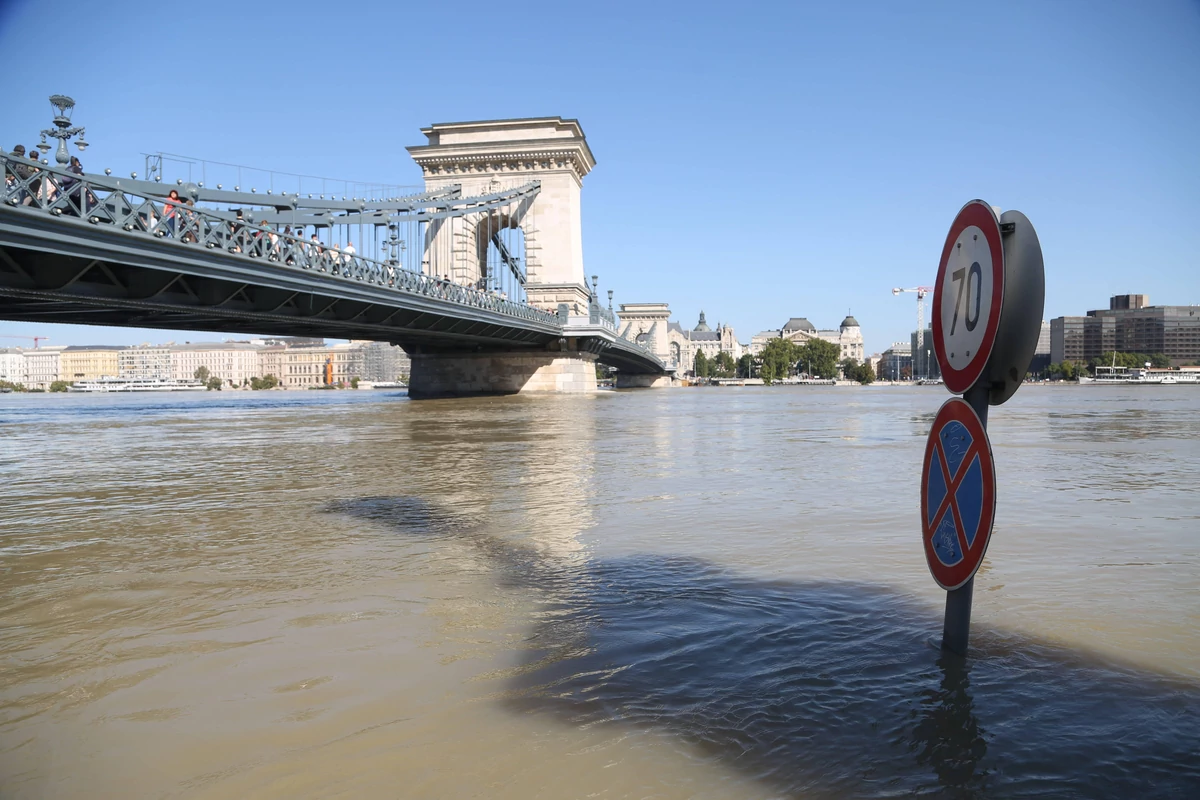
395,245
62,129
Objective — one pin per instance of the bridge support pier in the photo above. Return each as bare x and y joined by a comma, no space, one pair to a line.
637,381
473,374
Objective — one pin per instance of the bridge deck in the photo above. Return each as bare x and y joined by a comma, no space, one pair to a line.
92,252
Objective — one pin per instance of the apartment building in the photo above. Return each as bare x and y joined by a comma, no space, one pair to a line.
234,363
43,366
89,362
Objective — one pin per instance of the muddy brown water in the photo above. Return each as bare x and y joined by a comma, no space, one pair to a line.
700,593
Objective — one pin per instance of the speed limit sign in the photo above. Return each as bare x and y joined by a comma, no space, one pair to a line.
968,296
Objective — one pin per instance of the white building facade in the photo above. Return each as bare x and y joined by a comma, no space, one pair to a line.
146,362
296,363
649,324
847,336
683,345
12,365
234,363
43,366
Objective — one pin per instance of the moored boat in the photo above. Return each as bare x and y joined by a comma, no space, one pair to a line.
1138,376
135,385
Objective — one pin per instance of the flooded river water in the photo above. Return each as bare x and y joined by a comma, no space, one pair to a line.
692,593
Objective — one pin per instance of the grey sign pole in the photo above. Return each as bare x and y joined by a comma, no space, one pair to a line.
956,627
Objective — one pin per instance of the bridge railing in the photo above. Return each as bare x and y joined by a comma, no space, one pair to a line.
37,188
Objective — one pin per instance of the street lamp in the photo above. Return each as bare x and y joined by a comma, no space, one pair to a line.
397,247
62,129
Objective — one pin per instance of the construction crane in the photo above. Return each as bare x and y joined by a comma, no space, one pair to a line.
36,339
920,291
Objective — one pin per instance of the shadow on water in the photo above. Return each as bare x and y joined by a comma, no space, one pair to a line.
823,688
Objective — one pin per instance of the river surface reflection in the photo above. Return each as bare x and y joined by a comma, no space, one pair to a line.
661,593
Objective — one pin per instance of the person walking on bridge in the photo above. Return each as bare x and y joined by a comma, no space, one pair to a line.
272,242
314,250
170,203
35,183
22,172
191,221
68,185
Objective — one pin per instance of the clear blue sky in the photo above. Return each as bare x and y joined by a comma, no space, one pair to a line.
757,161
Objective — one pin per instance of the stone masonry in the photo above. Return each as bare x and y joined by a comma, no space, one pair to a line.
467,374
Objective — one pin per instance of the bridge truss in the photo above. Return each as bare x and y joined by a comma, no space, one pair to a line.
434,269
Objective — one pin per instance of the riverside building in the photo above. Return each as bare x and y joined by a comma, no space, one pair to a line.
1128,325
89,362
924,360
145,362
847,336
324,365
895,363
1041,353
383,362
43,366
649,323
12,365
683,345
235,363
298,363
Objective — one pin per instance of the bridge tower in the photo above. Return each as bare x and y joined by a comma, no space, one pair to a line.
488,157
485,157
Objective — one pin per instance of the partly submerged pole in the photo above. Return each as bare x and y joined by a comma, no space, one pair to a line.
956,627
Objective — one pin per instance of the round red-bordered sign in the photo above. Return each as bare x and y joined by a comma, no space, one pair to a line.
958,494
968,296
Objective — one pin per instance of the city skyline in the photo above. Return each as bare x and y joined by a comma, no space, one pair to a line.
845,130
294,363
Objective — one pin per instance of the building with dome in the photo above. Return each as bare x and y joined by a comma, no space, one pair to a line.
683,345
847,336
650,324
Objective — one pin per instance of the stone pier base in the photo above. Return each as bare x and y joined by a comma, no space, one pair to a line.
627,381
469,374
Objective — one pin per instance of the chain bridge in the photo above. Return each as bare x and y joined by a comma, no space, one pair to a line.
479,277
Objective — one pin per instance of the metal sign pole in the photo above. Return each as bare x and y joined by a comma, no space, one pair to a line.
956,627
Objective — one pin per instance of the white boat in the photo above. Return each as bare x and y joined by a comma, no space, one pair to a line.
1138,376
135,385
1171,377
1117,376
383,385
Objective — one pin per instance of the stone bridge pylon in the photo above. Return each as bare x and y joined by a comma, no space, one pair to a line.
493,155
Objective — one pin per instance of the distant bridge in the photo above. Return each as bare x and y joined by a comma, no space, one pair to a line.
480,277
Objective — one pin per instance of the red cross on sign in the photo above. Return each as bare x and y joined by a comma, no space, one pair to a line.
958,494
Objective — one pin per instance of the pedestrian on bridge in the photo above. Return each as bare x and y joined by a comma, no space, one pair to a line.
273,241
288,242
35,185
235,232
20,172
168,216
69,185
191,221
